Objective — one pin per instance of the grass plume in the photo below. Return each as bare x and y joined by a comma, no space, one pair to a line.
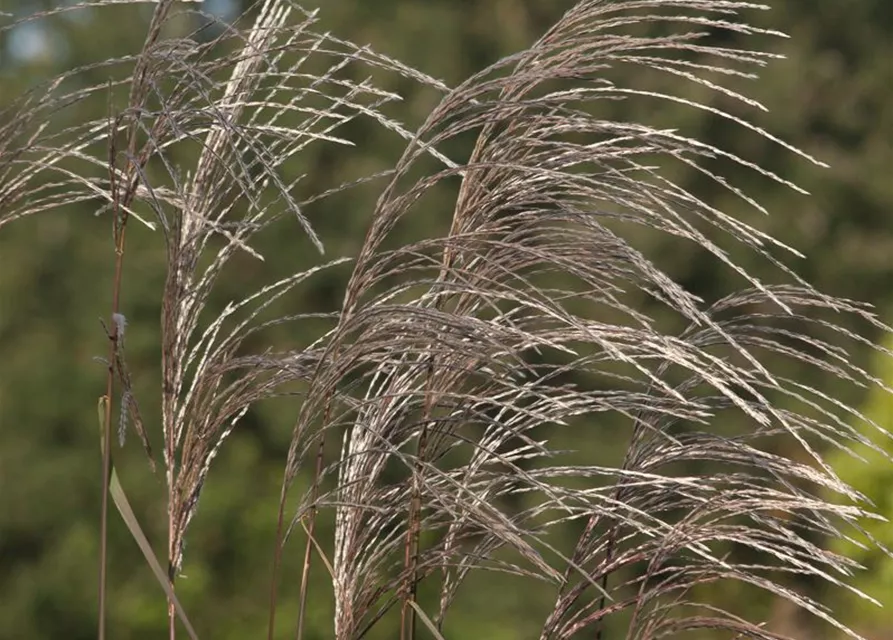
456,361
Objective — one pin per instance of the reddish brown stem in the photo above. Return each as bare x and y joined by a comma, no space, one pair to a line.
305,573
119,225
280,537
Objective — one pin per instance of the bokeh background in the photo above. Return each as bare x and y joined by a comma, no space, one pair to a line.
832,96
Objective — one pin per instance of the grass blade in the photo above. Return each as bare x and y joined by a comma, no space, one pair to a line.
127,514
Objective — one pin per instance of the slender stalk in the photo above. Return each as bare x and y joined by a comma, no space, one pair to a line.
305,571
171,609
280,535
411,553
119,226
171,539
413,533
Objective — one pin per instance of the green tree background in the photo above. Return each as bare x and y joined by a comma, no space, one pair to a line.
832,96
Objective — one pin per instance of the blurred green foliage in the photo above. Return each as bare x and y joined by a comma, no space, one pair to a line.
874,479
832,96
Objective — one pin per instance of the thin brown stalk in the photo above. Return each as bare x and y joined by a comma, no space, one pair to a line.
305,570
310,528
280,539
413,532
119,226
